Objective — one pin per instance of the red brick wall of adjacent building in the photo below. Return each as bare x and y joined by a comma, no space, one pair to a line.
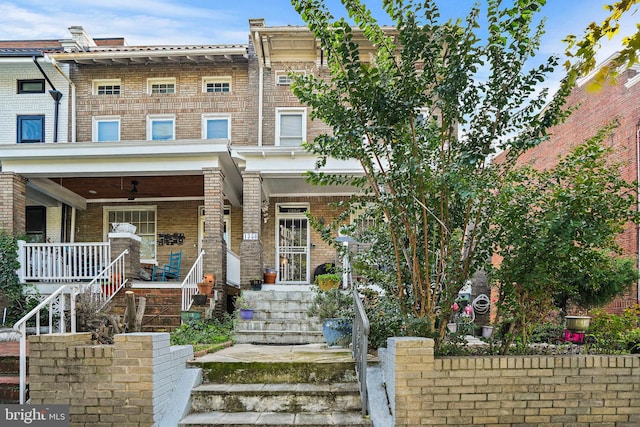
596,109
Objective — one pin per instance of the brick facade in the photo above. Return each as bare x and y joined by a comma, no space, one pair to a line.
13,203
509,390
128,383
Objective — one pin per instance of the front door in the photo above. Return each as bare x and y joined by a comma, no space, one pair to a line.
293,244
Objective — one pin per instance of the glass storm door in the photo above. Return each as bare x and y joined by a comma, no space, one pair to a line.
293,244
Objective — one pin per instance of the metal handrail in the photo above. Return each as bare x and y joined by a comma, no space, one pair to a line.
101,292
189,284
360,344
21,326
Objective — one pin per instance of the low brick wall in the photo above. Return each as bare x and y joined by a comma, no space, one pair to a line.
579,390
128,383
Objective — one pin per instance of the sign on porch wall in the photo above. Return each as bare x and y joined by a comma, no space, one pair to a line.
170,239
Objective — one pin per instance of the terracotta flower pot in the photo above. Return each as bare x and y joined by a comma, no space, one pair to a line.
209,278
205,288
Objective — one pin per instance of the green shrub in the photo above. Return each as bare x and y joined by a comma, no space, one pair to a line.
211,331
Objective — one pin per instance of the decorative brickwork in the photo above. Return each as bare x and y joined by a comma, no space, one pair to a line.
128,383
509,390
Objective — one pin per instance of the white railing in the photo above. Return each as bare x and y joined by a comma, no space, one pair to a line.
56,305
100,291
107,283
62,262
190,283
233,269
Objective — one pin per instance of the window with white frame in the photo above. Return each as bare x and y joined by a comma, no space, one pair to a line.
107,87
144,218
161,127
216,84
106,128
216,126
161,86
291,126
283,78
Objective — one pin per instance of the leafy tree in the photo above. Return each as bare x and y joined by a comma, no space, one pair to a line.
583,50
12,292
555,231
423,115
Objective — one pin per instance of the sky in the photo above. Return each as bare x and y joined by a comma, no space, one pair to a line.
162,22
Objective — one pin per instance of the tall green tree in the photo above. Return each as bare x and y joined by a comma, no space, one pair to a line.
556,233
423,115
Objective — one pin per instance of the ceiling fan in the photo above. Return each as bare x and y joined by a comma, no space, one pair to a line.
134,190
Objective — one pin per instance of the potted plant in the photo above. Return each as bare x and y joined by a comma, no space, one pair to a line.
205,288
328,281
256,283
270,276
334,307
246,311
199,299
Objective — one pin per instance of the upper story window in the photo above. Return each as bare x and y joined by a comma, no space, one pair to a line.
291,126
161,127
283,78
216,126
107,87
30,129
106,128
31,86
216,84
161,86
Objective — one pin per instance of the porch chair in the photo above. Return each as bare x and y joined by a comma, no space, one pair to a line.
169,271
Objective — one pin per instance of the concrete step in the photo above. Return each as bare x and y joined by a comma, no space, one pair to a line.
247,419
279,325
277,337
290,315
307,368
277,305
336,397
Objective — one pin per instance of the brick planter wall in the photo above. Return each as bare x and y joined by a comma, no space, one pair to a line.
579,390
128,383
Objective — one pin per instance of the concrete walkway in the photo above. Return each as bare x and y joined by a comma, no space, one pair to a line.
318,353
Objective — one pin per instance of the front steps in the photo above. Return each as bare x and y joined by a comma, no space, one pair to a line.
248,385
9,372
279,317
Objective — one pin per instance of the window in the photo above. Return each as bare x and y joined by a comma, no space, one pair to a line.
283,78
144,218
30,129
106,128
291,126
161,86
106,87
31,86
216,84
161,127
216,126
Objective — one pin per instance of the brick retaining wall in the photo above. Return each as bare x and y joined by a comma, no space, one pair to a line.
580,390
128,383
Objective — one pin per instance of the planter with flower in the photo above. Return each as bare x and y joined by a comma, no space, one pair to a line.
462,318
244,308
334,307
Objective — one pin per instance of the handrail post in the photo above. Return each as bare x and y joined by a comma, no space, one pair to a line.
359,346
22,259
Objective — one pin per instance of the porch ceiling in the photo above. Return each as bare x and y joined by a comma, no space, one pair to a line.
109,187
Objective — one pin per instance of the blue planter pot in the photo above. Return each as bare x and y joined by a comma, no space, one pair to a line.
246,313
337,332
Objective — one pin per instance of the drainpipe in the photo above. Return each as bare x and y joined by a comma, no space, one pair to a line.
56,95
260,100
73,95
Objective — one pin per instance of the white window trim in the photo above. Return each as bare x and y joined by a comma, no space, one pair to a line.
291,110
153,117
99,119
161,80
218,79
283,79
105,82
208,116
106,230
